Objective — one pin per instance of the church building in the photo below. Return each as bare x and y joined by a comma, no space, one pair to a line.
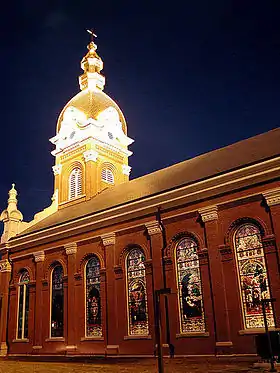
81,278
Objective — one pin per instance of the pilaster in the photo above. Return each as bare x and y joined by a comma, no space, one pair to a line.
39,258
210,218
71,251
5,275
111,338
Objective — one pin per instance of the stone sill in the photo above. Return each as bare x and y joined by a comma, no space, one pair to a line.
128,337
24,340
256,331
55,339
84,339
192,335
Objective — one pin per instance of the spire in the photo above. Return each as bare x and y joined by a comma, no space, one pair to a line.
11,217
92,64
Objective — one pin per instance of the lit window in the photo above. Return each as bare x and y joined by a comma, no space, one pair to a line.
252,274
137,293
93,299
57,299
107,176
23,306
189,287
75,183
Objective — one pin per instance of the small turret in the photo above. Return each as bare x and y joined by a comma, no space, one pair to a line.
11,217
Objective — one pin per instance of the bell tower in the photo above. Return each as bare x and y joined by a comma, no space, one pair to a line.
91,145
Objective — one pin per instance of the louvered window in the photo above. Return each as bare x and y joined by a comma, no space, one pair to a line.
75,183
107,176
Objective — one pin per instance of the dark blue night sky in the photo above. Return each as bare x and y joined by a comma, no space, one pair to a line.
190,77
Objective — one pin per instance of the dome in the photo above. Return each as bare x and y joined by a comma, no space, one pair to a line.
92,103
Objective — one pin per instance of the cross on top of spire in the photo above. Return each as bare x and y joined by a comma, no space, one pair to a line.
92,34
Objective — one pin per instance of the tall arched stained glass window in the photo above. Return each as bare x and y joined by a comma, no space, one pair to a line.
23,305
137,293
57,299
252,273
93,299
189,287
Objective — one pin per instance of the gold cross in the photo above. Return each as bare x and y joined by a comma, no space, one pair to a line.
93,35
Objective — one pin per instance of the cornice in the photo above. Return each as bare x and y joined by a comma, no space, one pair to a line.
220,184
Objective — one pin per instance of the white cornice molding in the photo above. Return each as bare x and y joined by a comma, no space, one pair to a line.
185,194
208,213
108,239
57,169
5,266
90,155
272,196
39,256
71,248
153,227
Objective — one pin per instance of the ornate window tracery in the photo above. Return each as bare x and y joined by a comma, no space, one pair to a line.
93,298
252,273
189,287
23,305
107,176
75,183
136,293
57,300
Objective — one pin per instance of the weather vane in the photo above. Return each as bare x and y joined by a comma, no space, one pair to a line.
92,34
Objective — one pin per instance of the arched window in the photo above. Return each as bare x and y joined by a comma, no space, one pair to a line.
75,183
137,293
93,299
252,273
107,176
23,305
57,299
189,287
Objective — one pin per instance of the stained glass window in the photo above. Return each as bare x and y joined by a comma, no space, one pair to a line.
252,276
137,293
57,299
23,306
93,299
75,183
189,287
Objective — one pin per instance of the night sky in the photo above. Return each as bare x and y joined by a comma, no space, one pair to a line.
189,76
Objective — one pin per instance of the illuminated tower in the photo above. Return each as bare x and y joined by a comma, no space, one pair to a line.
91,144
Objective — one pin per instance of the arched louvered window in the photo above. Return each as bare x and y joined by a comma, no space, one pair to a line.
93,299
252,274
75,183
137,293
189,287
107,176
57,300
23,305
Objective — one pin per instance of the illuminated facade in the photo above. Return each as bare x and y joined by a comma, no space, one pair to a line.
80,278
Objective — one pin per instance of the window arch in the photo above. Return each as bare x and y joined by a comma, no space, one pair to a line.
252,274
57,300
107,176
136,293
75,183
23,305
93,298
189,287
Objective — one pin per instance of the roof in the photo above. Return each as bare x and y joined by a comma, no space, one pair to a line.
223,160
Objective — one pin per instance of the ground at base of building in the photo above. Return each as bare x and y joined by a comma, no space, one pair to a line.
177,365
